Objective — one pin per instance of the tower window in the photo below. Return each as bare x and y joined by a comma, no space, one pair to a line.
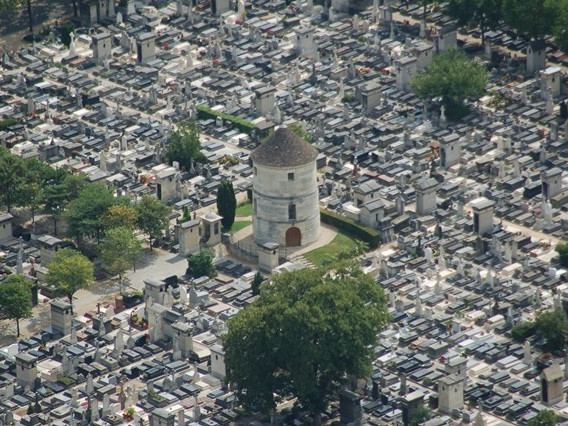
254,171
290,176
254,204
292,211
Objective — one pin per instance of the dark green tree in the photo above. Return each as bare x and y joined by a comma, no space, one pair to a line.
420,416
486,14
152,217
120,216
201,264
544,418
562,250
184,145
69,272
226,203
289,331
255,284
16,298
553,326
533,19
453,78
12,171
523,330
84,214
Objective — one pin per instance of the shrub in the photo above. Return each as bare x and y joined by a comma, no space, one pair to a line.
204,112
521,331
369,235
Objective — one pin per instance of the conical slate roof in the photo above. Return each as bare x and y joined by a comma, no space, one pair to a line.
284,149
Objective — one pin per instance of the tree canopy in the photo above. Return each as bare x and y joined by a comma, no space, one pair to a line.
553,325
152,216
84,214
119,250
305,333
120,216
184,145
544,418
532,19
16,298
226,203
487,14
562,250
69,271
201,264
453,78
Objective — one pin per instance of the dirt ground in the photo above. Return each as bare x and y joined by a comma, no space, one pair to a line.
14,24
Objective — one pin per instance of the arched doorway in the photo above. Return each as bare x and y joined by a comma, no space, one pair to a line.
293,237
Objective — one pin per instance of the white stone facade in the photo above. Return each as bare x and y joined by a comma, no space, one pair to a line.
278,193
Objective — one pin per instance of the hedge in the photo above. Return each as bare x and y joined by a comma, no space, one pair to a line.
4,124
369,235
204,112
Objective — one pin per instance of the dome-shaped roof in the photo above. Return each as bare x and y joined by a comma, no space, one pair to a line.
284,149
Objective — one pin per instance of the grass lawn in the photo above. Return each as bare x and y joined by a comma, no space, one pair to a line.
244,210
238,225
340,242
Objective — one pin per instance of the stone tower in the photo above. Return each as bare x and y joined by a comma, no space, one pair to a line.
285,191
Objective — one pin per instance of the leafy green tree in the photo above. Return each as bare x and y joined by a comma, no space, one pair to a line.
119,251
553,325
16,298
10,6
69,271
562,250
226,203
301,132
152,216
289,331
420,416
560,26
523,330
256,282
184,145
533,19
201,264
486,14
11,177
544,418
120,216
84,214
453,78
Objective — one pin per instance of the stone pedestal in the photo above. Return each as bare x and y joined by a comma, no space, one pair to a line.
268,257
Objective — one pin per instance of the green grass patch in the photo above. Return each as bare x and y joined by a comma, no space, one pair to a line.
339,243
239,224
244,210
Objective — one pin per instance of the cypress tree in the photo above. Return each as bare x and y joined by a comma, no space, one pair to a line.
226,203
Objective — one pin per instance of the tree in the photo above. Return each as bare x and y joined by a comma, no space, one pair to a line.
544,418
11,177
562,250
226,203
184,145
553,326
560,25
120,216
16,298
119,251
306,333
452,77
301,132
532,19
152,216
201,264
84,214
255,284
69,272
420,416
523,330
12,5
486,14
